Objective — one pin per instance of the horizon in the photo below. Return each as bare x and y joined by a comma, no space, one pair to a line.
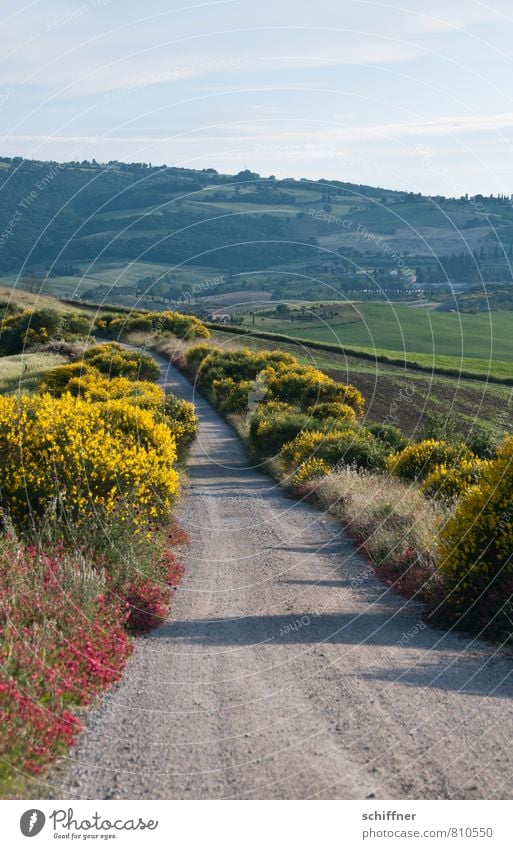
361,92
265,177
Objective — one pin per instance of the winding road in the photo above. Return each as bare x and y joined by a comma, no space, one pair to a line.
286,670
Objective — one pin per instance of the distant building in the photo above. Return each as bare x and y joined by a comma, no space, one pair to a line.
221,317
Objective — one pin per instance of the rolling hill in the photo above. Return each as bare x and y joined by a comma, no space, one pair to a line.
157,232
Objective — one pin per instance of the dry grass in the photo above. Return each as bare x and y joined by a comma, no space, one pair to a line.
395,525
23,372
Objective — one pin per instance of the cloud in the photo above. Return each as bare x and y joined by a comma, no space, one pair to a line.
244,133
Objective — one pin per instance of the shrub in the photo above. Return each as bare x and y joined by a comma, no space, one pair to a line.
76,324
310,470
81,379
57,379
449,483
332,410
141,393
483,442
352,447
29,327
417,460
117,326
270,430
197,354
236,364
305,386
440,427
182,421
84,456
476,546
231,396
113,360
390,435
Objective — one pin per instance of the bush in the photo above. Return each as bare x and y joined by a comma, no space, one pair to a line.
449,483
239,365
118,326
195,356
56,380
27,328
440,427
113,360
76,324
182,421
475,550
418,460
80,379
390,435
310,470
305,386
231,396
332,410
351,447
69,453
270,430
483,442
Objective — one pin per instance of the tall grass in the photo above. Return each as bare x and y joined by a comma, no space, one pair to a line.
393,523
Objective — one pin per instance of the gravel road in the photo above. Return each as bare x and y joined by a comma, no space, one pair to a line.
286,671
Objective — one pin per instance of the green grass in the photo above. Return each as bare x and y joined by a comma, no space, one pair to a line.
398,394
471,343
23,372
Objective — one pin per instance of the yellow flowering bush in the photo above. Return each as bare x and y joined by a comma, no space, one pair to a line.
419,459
306,386
115,361
56,380
332,410
84,456
93,387
309,470
350,447
476,548
181,419
230,395
301,449
184,326
272,427
239,365
449,482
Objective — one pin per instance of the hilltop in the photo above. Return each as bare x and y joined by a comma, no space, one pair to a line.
162,230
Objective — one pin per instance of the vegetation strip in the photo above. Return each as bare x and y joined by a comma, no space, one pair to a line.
89,475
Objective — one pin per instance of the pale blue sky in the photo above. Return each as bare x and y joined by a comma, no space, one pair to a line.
372,92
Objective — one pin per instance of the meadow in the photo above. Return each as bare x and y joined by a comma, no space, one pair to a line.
470,343
24,372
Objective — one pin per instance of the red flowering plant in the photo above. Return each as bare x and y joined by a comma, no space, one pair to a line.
66,611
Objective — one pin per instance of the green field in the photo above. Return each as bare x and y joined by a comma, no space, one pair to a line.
399,395
478,343
23,372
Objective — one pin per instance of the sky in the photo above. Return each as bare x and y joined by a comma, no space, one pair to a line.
408,95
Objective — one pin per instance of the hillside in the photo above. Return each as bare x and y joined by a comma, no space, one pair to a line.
158,232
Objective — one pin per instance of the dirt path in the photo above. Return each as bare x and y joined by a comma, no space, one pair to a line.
286,670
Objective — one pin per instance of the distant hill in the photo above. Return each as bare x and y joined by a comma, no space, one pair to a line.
297,235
